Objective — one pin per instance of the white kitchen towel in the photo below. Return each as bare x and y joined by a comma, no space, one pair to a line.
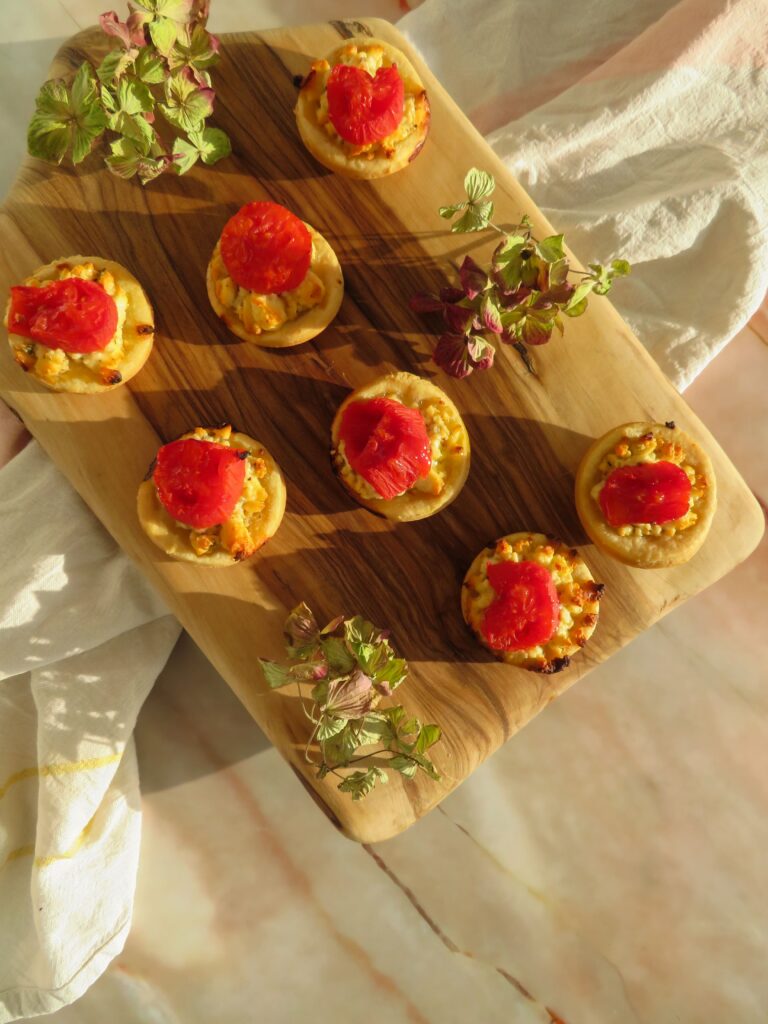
638,126
82,640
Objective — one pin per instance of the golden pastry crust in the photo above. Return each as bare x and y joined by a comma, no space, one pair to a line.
304,327
578,593
242,534
138,332
384,157
645,546
450,449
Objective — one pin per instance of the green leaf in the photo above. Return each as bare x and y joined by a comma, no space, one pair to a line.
329,727
450,211
405,765
149,169
578,301
393,672
340,748
53,100
186,106
186,155
373,728
133,96
551,249
115,65
360,784
193,50
340,661
47,138
149,67
213,145
274,674
63,118
474,218
134,127
558,272
108,101
621,268
163,32
429,735
478,184
509,249
178,10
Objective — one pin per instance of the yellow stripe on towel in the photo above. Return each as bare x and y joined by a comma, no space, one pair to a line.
44,862
63,768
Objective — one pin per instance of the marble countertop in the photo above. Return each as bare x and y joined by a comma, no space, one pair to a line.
606,865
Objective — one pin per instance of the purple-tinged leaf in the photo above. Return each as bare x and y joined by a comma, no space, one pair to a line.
451,294
473,278
423,302
457,318
352,697
535,332
451,355
490,314
561,293
481,352
130,32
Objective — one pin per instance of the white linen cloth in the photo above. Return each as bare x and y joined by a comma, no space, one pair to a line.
637,128
82,640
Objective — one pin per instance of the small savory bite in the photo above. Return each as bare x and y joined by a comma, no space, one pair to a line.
82,324
363,111
212,497
531,601
400,447
273,279
646,494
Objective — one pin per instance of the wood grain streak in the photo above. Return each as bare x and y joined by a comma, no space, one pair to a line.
528,434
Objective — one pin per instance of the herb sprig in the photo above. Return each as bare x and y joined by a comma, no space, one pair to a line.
351,666
161,65
519,299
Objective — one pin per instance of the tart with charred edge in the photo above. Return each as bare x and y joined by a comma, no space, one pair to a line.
363,110
82,325
531,601
213,497
400,448
273,279
646,494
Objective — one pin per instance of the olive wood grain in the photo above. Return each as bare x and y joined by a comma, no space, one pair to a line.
528,433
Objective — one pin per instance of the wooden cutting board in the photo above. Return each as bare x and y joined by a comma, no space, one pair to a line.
527,433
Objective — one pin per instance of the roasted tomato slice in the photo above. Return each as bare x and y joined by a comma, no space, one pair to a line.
526,609
364,108
386,442
651,492
199,482
73,315
266,248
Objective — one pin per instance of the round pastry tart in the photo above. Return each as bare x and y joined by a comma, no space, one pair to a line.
273,279
531,601
212,497
81,324
646,494
400,447
363,111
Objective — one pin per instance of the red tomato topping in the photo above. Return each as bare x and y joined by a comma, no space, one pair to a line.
651,492
266,248
364,108
386,443
199,482
526,609
73,315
